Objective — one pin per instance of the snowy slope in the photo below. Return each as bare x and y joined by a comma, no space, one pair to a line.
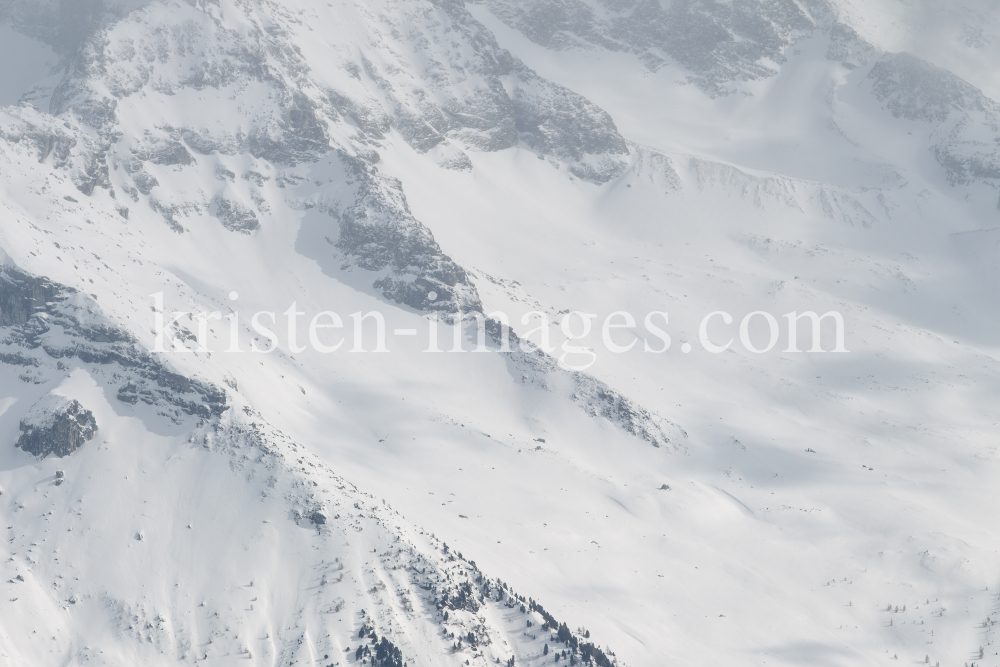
428,158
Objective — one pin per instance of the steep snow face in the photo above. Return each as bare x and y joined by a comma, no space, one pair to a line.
425,159
209,127
965,122
959,36
852,83
153,87
187,569
233,543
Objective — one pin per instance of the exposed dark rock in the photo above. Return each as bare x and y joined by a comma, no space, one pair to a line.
915,89
318,518
22,295
144,182
40,316
848,48
371,119
304,123
234,216
93,175
718,42
595,397
379,231
966,168
462,596
170,213
965,121
206,144
481,98
165,153
478,96
18,359
56,425
58,144
598,398
299,137
254,177
81,92
568,126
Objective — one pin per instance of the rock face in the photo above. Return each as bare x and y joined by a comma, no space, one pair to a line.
42,322
236,217
848,48
718,42
463,93
56,425
962,122
21,296
378,231
915,89
531,365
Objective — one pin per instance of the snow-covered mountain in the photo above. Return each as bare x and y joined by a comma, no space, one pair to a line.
206,457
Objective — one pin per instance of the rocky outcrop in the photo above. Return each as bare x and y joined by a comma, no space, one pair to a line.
477,97
56,425
54,142
422,576
21,296
848,48
915,89
464,93
377,231
964,122
42,322
235,216
718,42
531,365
